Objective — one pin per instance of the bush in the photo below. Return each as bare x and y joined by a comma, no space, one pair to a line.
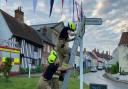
7,67
37,69
114,69
86,70
24,70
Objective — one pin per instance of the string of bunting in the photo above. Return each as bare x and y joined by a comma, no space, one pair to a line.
75,5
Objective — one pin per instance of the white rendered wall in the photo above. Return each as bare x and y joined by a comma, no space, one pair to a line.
4,30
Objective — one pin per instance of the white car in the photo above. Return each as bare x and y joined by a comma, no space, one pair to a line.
100,67
93,69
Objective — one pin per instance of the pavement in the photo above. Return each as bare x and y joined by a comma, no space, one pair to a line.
98,78
117,77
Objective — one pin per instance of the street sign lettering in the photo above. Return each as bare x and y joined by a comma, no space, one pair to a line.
98,86
93,21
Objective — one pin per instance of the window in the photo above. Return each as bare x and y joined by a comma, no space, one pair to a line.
15,55
5,54
33,62
35,49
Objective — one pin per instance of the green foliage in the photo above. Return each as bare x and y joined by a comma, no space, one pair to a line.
7,67
86,70
114,69
37,69
74,73
74,83
24,70
31,83
19,83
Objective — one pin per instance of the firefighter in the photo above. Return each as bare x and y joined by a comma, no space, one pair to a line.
62,48
63,53
45,79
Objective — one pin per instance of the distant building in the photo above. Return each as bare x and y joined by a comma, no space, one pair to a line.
49,34
104,55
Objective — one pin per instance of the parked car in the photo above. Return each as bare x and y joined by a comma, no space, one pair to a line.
93,69
100,65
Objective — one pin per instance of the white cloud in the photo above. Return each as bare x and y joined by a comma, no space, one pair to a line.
99,6
113,13
63,18
41,5
28,22
121,26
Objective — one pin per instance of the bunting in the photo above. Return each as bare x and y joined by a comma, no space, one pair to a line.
62,1
77,11
73,9
34,5
81,11
51,6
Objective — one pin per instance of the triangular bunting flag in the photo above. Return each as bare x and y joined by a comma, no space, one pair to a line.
34,5
62,1
51,6
73,9
6,1
77,11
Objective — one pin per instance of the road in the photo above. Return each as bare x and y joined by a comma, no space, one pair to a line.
97,77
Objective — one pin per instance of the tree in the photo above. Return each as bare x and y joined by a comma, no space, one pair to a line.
6,67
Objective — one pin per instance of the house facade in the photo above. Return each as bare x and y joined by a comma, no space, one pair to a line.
49,34
115,58
122,50
15,30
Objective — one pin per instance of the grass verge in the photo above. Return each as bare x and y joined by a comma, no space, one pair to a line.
30,83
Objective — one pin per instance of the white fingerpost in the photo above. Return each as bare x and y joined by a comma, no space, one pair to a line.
81,64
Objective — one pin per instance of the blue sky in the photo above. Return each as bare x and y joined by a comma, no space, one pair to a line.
114,14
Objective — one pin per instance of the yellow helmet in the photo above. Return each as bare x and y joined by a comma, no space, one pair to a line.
72,25
52,56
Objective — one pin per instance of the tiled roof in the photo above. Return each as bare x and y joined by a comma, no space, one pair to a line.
50,25
21,30
100,55
91,54
45,38
124,39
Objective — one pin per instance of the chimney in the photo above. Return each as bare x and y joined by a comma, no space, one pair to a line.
19,15
94,50
44,31
97,50
106,52
103,52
